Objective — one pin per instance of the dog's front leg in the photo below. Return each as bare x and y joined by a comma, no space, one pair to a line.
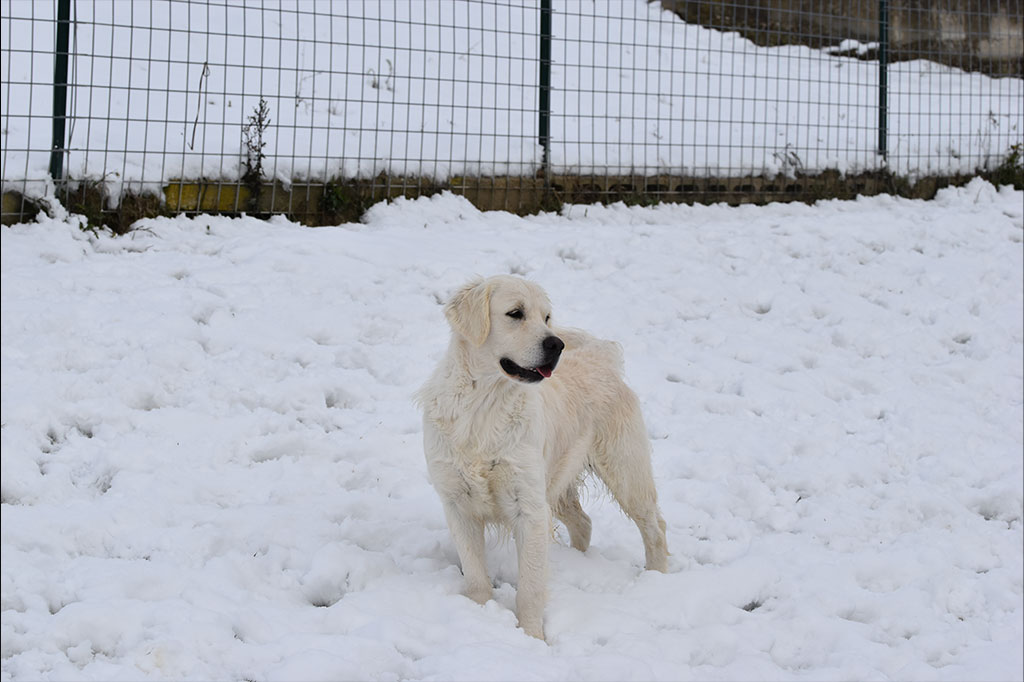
468,535
532,528
531,595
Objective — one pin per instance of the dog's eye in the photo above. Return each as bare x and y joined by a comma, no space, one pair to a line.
547,319
516,314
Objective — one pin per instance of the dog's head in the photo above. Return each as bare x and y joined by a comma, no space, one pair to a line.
506,320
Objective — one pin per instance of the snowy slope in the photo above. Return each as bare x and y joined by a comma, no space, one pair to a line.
211,464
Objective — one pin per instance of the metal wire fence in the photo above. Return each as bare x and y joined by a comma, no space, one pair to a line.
518,104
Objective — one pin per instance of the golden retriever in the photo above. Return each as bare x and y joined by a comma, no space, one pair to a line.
514,416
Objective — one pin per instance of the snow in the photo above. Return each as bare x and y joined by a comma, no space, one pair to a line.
437,91
849,45
212,465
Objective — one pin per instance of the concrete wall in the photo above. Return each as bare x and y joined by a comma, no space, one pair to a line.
975,35
319,204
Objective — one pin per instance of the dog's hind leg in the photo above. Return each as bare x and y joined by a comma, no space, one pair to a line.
569,512
622,459
632,485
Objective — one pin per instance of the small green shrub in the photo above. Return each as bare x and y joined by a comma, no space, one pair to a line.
1011,170
252,133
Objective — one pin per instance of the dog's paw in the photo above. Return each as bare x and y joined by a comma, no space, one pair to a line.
533,629
481,595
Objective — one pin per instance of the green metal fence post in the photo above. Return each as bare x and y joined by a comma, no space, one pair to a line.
60,90
883,79
543,125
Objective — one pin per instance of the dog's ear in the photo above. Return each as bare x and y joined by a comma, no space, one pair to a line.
469,311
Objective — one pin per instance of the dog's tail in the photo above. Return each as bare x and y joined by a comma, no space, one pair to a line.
607,353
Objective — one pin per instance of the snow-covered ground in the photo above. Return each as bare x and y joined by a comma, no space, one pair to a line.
161,91
212,468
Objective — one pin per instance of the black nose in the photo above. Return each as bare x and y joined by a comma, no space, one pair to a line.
553,346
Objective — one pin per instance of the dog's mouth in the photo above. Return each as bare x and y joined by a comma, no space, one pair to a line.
530,376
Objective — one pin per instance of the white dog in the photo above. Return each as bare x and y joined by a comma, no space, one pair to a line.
508,437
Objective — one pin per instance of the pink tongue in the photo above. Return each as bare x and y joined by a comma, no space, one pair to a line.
544,372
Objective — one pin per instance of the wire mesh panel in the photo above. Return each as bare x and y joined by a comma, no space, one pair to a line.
316,107
955,91
766,87
640,92
26,66
404,93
